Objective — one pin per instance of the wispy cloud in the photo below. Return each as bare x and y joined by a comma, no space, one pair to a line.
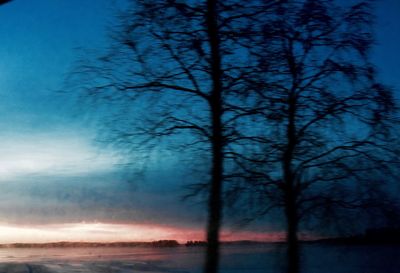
51,153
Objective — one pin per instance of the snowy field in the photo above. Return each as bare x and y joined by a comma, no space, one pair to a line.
235,259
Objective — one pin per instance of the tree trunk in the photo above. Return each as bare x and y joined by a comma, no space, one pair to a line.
214,212
293,259
215,203
290,187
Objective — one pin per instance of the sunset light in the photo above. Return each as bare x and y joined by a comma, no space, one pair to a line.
199,136
103,232
88,232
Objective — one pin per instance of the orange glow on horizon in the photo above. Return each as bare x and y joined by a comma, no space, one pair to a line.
106,232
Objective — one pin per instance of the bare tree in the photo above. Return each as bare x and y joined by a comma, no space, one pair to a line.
173,72
327,121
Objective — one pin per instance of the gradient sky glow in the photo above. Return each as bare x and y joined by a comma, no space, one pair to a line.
106,232
55,182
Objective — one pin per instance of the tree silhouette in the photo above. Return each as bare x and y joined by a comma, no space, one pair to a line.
278,94
173,72
327,142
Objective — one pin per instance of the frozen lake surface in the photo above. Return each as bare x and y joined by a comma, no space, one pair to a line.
235,259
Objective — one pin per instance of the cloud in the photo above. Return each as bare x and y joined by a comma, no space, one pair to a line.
60,177
51,154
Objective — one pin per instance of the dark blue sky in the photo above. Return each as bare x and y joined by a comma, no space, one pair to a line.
386,53
50,169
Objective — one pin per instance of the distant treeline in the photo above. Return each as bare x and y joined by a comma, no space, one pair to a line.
371,236
161,243
242,242
196,243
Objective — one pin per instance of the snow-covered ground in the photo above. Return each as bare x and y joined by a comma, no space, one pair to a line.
235,259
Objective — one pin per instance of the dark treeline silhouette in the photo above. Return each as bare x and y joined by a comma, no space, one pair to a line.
161,243
279,97
196,243
379,236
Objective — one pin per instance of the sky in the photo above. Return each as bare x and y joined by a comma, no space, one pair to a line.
56,182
